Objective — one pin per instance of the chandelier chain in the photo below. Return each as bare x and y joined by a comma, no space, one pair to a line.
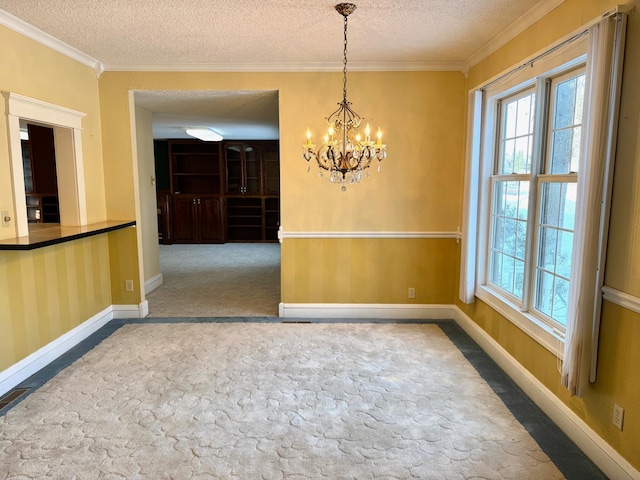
344,70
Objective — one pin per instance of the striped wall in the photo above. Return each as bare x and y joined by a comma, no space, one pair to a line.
369,270
44,293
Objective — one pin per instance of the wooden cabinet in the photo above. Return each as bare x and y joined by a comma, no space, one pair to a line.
40,176
196,219
194,209
220,192
252,186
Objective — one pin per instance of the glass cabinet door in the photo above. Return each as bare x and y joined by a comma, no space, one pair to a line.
252,171
233,155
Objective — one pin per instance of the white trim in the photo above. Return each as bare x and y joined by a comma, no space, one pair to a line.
283,67
29,31
599,451
143,309
364,310
67,125
531,16
529,324
19,372
456,235
622,299
153,283
129,311
34,109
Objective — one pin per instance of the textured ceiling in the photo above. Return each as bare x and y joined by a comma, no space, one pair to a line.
263,34
270,31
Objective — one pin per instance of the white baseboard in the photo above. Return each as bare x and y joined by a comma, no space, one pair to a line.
599,451
131,311
365,310
19,372
153,283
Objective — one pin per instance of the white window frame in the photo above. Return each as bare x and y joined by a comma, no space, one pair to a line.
67,131
543,329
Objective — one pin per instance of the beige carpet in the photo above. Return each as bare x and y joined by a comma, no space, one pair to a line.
269,401
228,280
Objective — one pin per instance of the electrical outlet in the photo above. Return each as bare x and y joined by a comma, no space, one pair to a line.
618,416
6,219
412,292
128,285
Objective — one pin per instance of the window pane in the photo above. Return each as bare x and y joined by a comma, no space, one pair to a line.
521,239
544,292
561,153
509,235
508,269
551,204
560,301
548,239
498,233
563,254
516,136
565,103
566,131
569,194
519,278
555,247
524,115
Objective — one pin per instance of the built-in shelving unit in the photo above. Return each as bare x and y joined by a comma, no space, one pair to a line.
219,191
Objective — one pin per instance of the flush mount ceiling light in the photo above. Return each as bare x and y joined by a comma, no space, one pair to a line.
204,134
344,154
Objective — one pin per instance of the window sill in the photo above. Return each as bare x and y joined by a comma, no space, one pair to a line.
532,326
46,234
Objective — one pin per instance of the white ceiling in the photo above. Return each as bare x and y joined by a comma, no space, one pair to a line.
255,35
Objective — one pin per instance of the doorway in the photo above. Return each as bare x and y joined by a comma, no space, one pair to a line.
207,279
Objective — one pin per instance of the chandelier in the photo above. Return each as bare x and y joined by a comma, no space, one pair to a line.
344,154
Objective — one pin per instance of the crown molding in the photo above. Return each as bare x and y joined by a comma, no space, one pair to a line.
29,31
530,17
282,67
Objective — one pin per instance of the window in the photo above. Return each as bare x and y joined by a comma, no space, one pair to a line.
533,194
540,159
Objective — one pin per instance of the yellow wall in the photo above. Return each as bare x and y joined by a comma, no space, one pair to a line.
418,189
35,71
44,293
623,254
619,354
368,270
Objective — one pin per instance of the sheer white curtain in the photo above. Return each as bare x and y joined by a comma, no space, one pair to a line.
470,212
604,59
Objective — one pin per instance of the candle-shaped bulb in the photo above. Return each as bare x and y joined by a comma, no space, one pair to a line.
331,130
308,134
367,130
326,138
358,138
379,136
